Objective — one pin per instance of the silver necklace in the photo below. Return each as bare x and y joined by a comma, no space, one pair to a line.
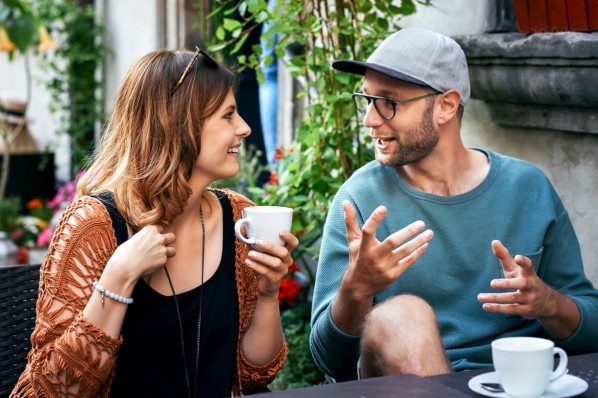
178,312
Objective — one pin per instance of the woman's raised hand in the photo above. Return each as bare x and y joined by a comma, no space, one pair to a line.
145,252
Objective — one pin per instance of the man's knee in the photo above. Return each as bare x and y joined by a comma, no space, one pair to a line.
398,335
404,311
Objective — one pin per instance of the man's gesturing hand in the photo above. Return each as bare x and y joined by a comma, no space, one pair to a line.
375,265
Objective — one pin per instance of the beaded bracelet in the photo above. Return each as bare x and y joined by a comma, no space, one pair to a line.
113,296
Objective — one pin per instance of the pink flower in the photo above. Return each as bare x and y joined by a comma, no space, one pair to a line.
44,237
65,194
16,233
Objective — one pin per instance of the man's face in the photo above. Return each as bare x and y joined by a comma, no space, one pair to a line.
410,135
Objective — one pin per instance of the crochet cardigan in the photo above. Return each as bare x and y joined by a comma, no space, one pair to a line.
71,357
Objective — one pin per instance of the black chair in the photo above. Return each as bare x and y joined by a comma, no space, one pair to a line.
18,295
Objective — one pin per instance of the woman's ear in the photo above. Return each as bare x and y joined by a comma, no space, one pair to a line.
449,105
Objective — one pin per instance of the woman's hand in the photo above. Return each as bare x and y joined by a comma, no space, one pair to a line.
271,263
144,253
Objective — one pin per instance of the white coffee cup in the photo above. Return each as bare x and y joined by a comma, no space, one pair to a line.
264,222
525,364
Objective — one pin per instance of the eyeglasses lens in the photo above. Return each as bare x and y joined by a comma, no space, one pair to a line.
383,106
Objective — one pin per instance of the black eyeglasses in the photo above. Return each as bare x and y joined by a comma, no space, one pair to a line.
386,107
208,61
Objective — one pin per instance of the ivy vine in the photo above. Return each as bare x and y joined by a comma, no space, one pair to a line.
75,82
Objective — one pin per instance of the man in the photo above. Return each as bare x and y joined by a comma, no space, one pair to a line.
378,298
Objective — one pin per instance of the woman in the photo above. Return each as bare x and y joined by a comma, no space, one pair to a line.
204,319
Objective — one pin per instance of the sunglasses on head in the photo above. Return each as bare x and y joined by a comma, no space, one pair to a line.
208,61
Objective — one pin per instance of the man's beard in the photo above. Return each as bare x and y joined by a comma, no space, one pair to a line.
415,144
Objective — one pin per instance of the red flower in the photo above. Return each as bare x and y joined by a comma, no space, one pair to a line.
289,291
273,180
279,153
34,204
23,255
293,267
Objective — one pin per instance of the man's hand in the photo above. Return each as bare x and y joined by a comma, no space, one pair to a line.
374,265
529,297
529,292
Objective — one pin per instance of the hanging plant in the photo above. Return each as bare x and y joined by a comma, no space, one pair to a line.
75,85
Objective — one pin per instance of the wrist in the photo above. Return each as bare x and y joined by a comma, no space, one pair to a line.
268,298
116,279
353,291
111,295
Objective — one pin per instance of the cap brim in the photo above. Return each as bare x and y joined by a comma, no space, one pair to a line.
359,68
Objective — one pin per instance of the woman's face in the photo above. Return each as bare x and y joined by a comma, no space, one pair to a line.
221,141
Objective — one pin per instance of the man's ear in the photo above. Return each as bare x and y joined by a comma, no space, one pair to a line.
449,104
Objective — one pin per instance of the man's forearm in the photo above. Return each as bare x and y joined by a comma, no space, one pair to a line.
349,311
564,319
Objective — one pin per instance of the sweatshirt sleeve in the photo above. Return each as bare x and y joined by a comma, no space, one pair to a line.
334,351
562,268
69,355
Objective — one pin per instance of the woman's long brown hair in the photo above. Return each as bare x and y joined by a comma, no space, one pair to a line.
153,139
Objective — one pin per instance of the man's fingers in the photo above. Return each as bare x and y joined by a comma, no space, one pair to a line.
403,235
353,231
371,225
525,264
501,252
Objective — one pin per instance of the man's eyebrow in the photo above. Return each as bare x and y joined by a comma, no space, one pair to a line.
382,93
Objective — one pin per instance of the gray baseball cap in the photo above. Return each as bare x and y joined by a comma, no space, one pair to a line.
417,56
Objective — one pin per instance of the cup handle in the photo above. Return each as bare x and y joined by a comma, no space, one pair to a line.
563,360
238,226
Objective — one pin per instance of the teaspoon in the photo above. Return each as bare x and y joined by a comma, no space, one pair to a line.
497,387
492,387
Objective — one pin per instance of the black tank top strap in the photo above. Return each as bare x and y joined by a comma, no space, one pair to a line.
118,222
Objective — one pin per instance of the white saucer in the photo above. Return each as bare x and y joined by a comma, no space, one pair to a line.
563,387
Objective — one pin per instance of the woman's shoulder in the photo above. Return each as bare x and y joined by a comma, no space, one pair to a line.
87,210
237,200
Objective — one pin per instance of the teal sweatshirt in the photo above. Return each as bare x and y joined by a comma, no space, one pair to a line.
515,203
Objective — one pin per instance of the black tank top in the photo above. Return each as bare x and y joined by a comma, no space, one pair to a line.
150,361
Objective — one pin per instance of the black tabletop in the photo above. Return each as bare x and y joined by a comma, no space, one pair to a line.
446,386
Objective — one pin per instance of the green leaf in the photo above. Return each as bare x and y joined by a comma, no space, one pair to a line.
231,24
261,16
220,33
21,32
408,7
242,8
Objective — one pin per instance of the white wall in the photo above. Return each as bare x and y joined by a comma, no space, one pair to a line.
132,28
42,124
452,17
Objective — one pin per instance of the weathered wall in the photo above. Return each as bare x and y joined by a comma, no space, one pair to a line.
570,160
